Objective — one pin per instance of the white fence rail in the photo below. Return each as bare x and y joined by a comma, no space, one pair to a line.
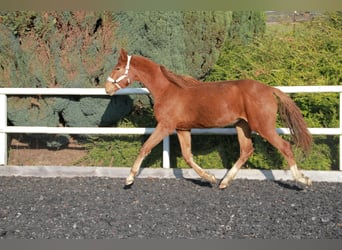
4,129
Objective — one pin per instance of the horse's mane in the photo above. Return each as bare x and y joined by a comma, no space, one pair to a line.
179,80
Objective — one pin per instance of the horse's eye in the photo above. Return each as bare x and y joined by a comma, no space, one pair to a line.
117,68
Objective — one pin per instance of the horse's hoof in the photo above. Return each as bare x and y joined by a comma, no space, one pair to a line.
129,181
128,186
305,181
223,185
308,181
211,178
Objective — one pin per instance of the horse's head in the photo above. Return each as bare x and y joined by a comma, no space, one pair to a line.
120,76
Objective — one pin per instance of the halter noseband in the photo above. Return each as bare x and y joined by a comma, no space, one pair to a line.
116,81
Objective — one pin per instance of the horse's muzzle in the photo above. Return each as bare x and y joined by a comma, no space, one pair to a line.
110,89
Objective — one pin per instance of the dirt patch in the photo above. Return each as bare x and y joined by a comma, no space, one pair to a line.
33,151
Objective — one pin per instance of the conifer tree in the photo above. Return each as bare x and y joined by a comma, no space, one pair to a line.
79,48
246,25
186,42
59,49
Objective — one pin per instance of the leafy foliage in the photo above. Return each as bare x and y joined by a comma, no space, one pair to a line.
187,42
59,49
55,49
246,25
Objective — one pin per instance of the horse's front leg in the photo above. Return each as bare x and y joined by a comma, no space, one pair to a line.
184,137
157,136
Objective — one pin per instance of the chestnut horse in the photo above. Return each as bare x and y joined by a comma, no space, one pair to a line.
182,103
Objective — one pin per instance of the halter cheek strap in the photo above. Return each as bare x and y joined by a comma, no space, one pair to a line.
116,81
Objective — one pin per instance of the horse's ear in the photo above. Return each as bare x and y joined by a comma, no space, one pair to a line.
163,69
169,75
123,54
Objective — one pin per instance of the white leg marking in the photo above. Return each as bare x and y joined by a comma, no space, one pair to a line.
300,177
229,177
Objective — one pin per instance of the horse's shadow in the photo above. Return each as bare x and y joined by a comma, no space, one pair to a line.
290,186
269,176
199,182
282,184
207,184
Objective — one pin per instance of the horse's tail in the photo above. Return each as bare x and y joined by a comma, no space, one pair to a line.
291,115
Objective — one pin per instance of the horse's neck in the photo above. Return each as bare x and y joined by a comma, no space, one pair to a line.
149,74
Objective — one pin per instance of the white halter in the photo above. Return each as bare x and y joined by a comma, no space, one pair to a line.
116,82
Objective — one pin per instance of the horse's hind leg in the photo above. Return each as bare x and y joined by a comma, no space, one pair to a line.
184,137
246,150
285,149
